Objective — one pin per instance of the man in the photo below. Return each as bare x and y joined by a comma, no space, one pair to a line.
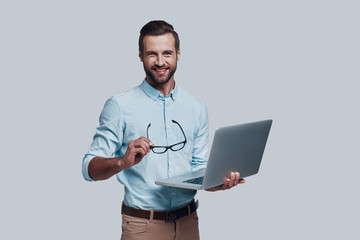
176,128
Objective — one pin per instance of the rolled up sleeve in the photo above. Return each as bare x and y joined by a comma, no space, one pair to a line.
108,136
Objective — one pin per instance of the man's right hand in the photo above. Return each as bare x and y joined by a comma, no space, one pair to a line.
101,168
136,151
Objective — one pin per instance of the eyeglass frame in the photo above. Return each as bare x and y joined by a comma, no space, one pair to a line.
167,147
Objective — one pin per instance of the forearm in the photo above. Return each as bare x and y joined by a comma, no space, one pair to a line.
103,168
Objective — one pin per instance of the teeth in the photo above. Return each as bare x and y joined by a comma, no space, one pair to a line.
160,70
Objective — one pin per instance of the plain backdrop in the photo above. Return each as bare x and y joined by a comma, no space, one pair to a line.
296,62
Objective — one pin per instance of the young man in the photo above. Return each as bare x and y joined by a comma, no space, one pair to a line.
176,128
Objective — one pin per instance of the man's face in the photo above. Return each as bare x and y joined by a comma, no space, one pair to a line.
159,58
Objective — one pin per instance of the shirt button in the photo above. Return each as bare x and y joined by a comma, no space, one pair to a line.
173,193
171,171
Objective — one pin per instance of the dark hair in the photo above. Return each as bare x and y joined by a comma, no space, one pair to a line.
157,28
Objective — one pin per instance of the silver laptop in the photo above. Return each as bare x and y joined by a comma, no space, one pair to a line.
234,148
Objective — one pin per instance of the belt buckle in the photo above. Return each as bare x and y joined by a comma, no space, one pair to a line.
171,216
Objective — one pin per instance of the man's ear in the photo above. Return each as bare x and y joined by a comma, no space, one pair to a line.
178,54
140,56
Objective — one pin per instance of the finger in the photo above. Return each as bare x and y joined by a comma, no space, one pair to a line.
142,143
142,140
138,152
146,140
135,146
226,184
139,156
237,178
242,180
232,180
232,176
145,145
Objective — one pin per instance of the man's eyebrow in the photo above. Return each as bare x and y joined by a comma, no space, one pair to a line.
165,51
150,52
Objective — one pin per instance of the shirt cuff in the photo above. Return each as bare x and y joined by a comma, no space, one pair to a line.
85,167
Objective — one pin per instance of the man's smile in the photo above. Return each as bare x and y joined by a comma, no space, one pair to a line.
161,71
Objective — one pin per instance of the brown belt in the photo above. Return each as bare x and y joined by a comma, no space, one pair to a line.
161,215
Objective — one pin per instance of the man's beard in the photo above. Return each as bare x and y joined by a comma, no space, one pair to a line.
158,81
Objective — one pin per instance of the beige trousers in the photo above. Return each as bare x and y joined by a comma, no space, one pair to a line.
185,228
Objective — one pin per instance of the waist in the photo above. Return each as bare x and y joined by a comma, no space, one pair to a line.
167,216
148,196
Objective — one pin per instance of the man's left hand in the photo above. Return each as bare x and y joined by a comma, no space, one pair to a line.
228,182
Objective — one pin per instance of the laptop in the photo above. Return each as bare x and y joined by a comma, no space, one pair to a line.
234,148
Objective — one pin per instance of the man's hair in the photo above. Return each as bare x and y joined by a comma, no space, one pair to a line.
157,28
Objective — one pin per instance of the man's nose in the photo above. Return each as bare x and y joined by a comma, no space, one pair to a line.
160,61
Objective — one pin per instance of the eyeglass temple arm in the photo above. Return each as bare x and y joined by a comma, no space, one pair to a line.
180,129
147,131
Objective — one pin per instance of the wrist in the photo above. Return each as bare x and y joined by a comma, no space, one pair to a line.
119,164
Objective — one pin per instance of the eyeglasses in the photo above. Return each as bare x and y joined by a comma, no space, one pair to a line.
163,149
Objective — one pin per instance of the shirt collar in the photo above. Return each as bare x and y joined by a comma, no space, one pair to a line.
155,94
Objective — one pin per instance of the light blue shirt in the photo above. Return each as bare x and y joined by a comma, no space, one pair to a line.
126,116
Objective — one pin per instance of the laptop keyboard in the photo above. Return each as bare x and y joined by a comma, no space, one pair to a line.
198,180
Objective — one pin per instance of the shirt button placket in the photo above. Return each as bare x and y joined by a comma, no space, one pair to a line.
169,135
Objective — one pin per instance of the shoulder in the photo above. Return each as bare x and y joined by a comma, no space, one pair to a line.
128,95
118,102
131,93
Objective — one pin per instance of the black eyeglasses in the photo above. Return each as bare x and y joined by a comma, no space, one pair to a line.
163,149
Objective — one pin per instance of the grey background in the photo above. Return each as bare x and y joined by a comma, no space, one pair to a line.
296,62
